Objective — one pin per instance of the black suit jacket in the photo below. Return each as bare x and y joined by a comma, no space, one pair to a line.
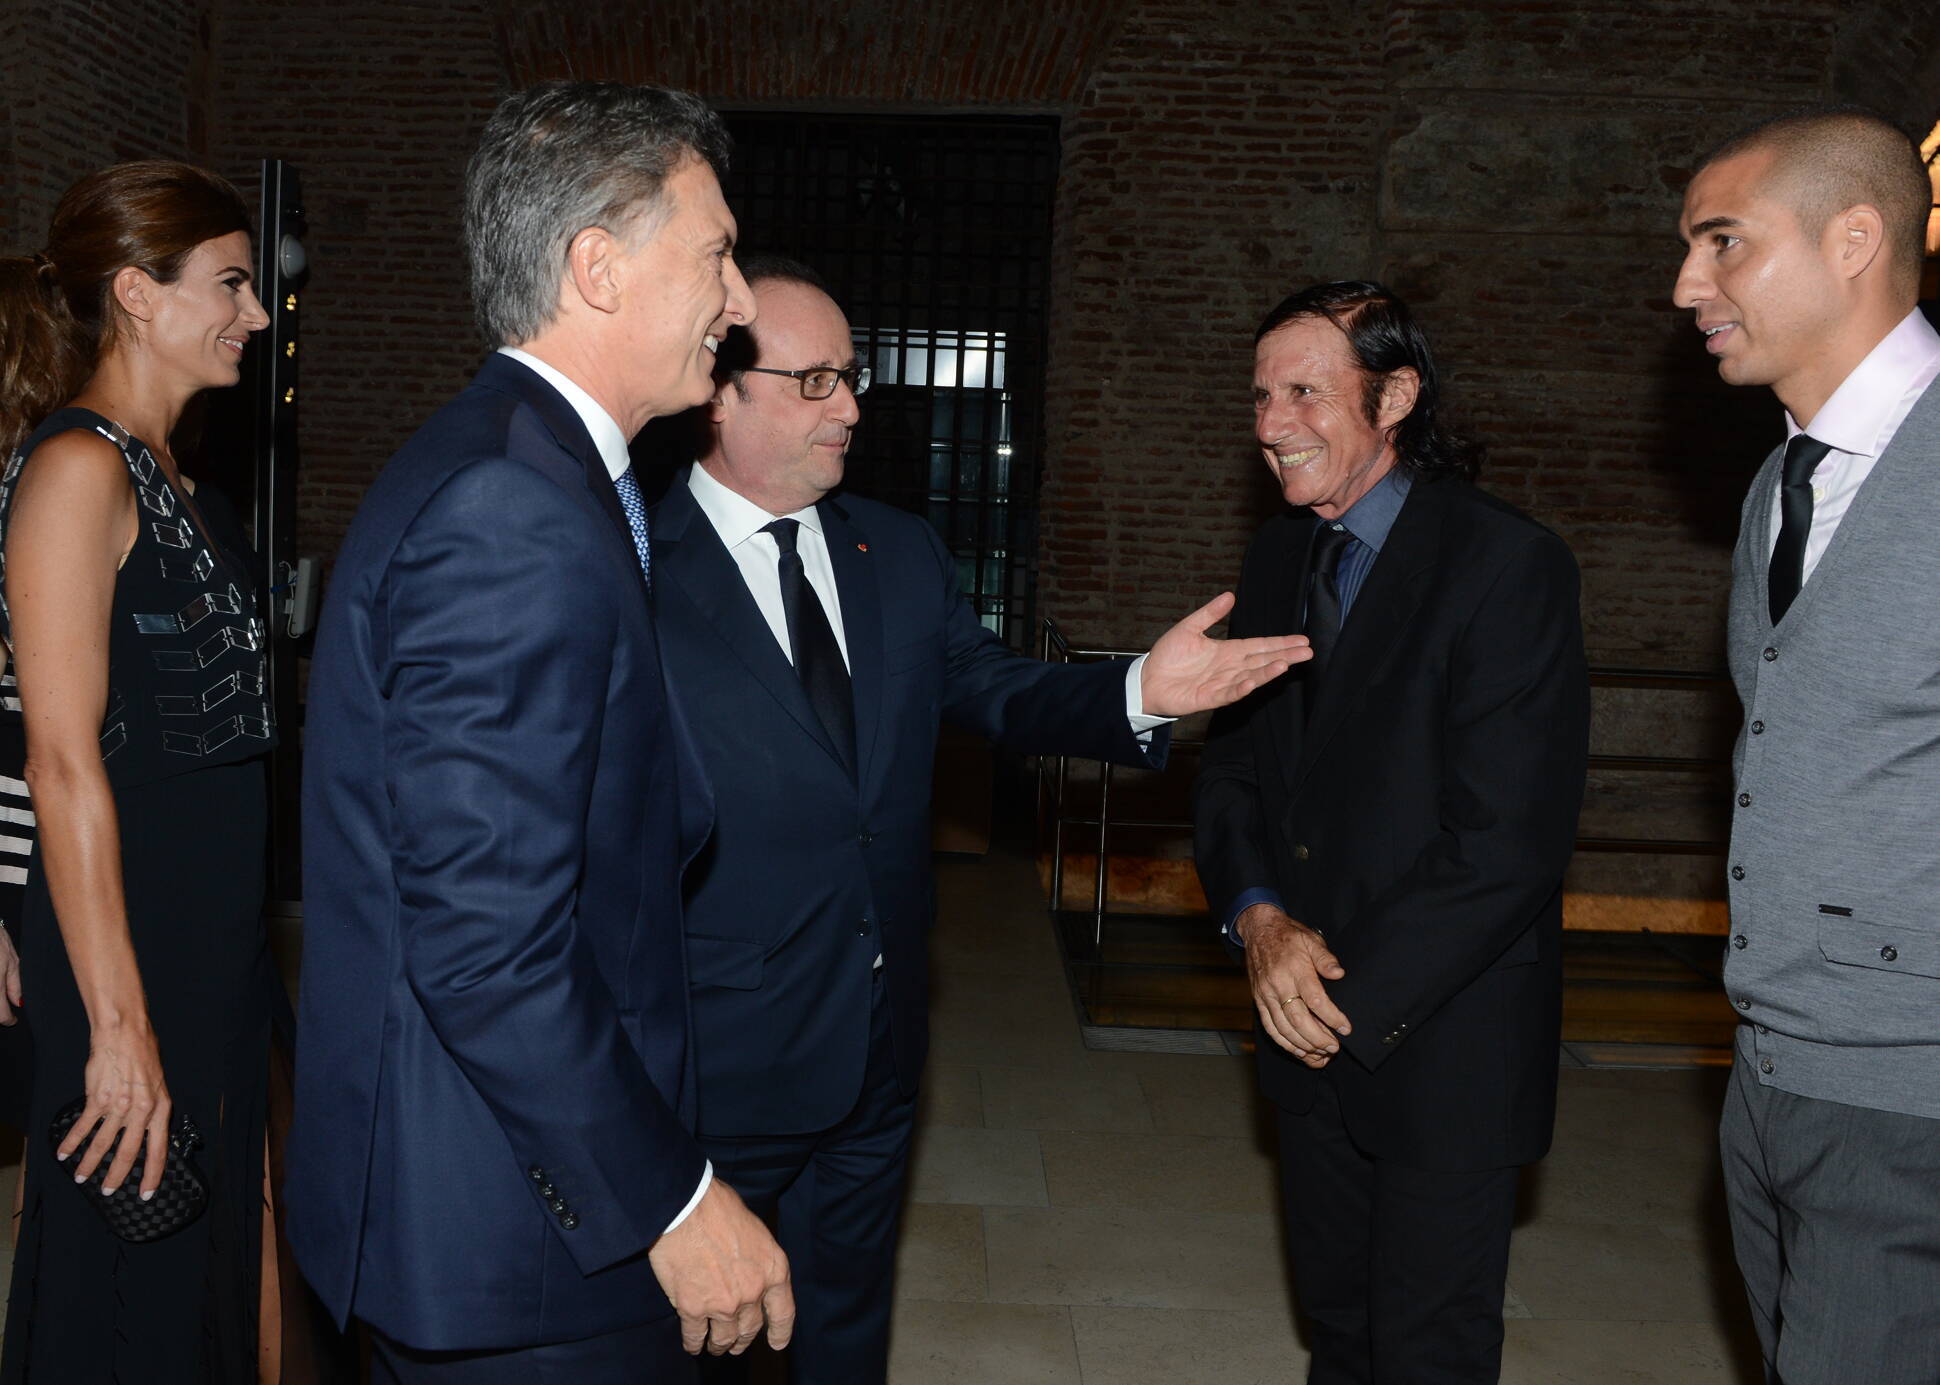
813,871
1421,816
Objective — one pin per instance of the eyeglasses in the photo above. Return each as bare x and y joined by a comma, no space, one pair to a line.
820,383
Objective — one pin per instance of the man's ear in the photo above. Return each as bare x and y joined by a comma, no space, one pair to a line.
1854,238
135,293
717,407
1398,394
592,269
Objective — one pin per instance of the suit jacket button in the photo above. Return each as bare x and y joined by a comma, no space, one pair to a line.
1737,872
1770,654
1300,852
1765,1066
557,1204
570,1220
536,1174
547,1191
1389,1038
1739,942
1889,954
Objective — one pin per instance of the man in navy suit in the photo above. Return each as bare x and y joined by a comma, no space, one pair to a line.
491,1163
817,640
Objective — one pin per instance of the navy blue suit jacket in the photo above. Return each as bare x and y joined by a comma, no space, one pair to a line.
493,1085
811,871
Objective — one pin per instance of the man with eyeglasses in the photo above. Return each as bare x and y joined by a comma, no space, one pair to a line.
817,640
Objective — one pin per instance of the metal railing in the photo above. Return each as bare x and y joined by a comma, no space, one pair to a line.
1054,777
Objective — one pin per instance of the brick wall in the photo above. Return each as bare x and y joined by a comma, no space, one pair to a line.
1514,169
377,104
1513,166
91,82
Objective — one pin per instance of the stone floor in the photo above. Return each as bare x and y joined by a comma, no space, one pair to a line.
1098,1218
1111,1218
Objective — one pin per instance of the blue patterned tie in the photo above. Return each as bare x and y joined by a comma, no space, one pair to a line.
636,520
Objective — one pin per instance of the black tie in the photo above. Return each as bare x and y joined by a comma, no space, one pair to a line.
1802,456
818,659
1323,601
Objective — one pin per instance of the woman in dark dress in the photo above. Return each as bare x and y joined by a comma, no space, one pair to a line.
136,642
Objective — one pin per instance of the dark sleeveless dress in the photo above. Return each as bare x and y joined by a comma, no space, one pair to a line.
183,739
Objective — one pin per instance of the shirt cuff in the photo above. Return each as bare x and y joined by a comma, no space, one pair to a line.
1246,900
707,1181
1142,725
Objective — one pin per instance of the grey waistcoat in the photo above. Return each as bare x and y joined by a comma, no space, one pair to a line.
1834,959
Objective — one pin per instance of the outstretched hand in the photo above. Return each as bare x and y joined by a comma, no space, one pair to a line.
1188,671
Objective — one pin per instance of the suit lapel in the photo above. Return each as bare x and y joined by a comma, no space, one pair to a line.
688,553
1377,625
508,376
861,597
1286,714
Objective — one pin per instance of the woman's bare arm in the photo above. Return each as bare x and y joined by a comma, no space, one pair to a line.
72,522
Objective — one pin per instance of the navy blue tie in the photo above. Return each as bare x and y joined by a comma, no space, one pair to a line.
818,658
636,520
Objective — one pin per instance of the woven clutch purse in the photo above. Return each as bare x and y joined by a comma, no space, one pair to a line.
177,1202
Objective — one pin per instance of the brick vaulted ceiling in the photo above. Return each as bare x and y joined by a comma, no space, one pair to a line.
1015,55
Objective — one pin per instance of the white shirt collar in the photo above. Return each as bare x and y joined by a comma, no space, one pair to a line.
735,517
605,433
1870,403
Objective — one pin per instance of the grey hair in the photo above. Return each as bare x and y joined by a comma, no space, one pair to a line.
557,158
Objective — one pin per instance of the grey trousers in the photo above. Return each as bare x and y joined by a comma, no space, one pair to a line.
1835,1217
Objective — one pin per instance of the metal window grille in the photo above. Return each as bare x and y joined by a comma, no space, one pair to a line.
935,234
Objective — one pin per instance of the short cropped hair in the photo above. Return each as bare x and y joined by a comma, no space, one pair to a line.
557,158
1384,337
1830,158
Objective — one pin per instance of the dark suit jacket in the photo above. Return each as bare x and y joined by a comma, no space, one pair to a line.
493,1097
812,871
1421,818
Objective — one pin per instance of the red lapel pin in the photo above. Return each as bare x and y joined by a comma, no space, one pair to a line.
862,548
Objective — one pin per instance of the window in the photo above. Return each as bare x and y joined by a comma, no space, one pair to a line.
935,234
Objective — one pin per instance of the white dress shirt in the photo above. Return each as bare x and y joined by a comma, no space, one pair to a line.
1858,422
739,522
611,443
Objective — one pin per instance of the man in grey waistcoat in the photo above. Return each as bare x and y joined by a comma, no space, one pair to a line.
1805,237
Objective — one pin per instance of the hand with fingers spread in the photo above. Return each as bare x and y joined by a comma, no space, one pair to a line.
1286,964
725,1276
127,1099
1188,671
